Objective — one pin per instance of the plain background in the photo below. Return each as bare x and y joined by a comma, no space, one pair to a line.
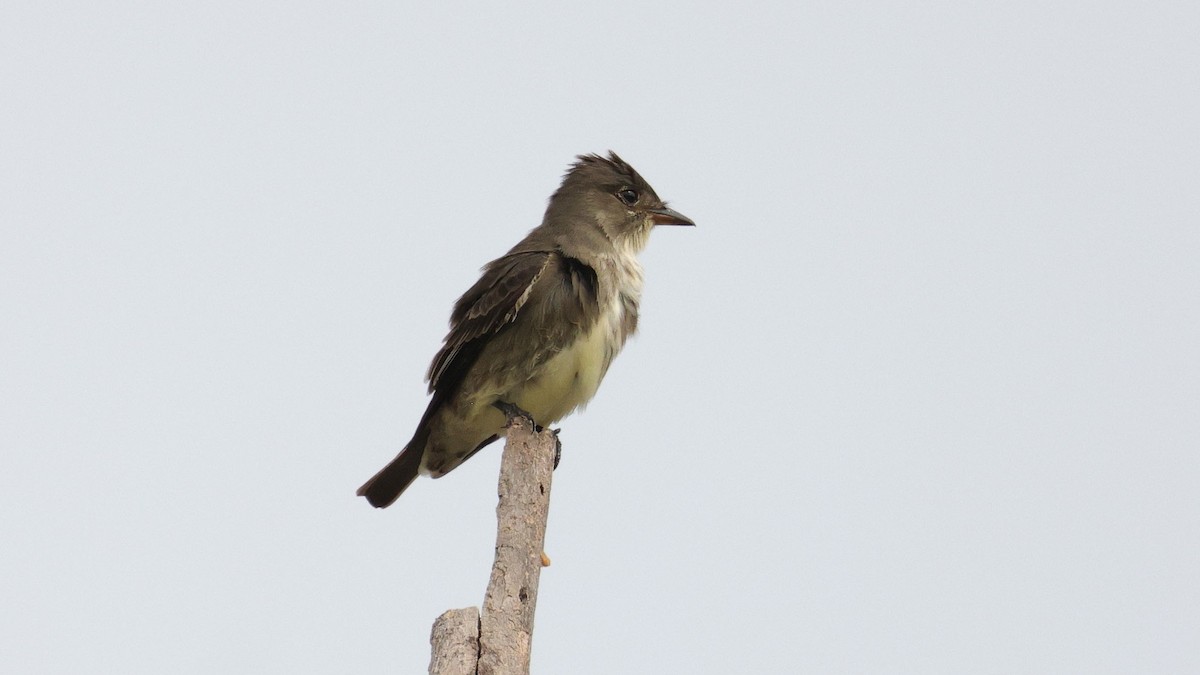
919,395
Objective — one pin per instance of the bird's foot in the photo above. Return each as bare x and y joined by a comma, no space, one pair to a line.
512,412
557,447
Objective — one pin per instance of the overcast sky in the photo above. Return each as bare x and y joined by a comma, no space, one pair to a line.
920,393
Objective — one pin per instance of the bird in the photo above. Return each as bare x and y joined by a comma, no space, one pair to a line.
537,332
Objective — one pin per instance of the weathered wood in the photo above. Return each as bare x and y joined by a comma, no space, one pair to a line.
455,640
506,624
499,641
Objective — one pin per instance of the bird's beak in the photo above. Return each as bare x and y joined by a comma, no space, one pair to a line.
665,216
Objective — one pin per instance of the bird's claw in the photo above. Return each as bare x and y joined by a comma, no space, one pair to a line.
512,412
557,447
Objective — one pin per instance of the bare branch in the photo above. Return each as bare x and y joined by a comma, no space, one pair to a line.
504,632
506,627
455,641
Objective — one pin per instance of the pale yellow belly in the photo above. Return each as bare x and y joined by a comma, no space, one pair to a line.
567,381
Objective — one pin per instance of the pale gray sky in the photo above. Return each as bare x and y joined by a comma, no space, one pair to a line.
921,393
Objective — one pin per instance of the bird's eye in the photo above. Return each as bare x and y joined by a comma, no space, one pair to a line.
630,197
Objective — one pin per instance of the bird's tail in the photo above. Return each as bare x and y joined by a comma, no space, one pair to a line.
392,480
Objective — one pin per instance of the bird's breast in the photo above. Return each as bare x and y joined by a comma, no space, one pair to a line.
569,379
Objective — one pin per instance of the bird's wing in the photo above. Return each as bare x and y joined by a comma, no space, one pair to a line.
488,306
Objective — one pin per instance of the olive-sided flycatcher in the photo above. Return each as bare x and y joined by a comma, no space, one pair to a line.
541,326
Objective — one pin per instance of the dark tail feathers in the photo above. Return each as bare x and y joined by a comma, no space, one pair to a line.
387,485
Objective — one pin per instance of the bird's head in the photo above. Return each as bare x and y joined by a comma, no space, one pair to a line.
614,197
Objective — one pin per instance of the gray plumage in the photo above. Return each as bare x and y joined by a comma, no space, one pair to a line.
541,326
